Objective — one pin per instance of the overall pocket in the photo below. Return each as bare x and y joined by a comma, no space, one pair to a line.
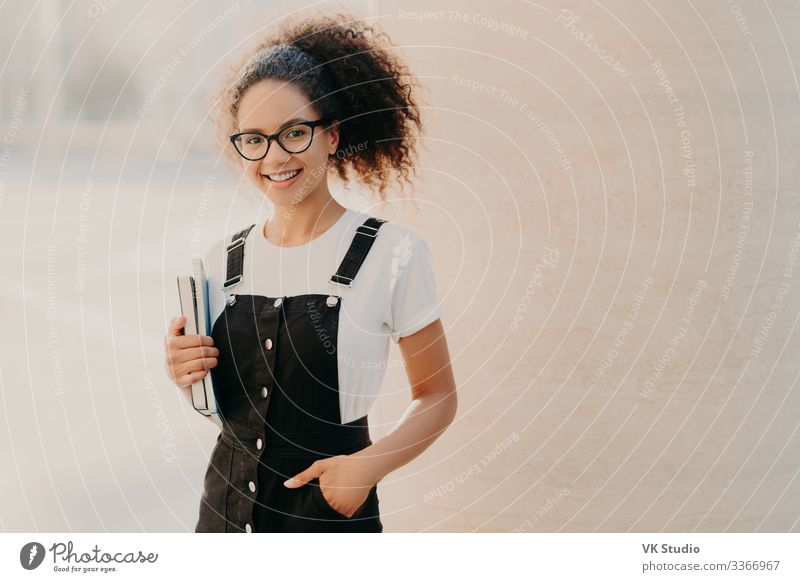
322,503
369,502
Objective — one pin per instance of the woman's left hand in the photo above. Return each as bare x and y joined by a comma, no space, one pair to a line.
344,481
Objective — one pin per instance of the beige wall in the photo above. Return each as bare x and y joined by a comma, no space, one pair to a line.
592,432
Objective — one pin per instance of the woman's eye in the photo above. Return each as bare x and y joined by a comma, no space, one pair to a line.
254,140
295,133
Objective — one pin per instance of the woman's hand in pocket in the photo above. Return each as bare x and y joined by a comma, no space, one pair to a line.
344,482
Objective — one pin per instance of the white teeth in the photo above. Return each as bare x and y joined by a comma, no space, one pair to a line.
283,177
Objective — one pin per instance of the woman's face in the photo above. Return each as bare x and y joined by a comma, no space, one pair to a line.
268,107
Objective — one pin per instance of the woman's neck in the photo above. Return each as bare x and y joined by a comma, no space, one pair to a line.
299,224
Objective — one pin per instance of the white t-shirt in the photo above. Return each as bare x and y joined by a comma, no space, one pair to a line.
393,295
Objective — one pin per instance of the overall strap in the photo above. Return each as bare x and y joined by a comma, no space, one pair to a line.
235,260
357,252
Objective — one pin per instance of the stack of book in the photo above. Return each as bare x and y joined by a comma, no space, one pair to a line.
193,294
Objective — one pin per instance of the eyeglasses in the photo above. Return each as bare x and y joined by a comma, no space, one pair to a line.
294,139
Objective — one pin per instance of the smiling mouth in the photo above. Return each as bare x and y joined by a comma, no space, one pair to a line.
282,177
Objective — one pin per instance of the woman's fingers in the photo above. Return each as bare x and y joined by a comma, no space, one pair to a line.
189,341
192,366
176,338
188,357
198,365
176,325
177,354
188,354
189,379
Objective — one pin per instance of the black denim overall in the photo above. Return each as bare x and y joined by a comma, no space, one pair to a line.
276,385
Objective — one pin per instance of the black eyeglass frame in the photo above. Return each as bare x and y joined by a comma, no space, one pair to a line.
269,138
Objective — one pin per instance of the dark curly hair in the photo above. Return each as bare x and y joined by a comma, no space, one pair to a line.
347,69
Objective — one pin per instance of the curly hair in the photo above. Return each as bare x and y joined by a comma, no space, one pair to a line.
347,70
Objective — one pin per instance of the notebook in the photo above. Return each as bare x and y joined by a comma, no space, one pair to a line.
193,296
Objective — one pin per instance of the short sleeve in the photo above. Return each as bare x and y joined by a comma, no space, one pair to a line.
414,299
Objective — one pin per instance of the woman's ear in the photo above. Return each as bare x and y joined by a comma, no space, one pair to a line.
333,135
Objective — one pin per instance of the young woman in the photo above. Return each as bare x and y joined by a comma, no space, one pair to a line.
305,303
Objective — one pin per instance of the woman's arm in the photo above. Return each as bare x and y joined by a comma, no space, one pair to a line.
433,403
349,478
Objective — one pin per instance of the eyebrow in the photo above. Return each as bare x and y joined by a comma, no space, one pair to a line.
283,125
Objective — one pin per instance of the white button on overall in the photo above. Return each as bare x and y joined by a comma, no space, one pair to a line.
252,486
264,391
268,344
259,444
278,302
332,301
248,528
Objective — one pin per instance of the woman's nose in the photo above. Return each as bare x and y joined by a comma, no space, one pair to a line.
275,158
